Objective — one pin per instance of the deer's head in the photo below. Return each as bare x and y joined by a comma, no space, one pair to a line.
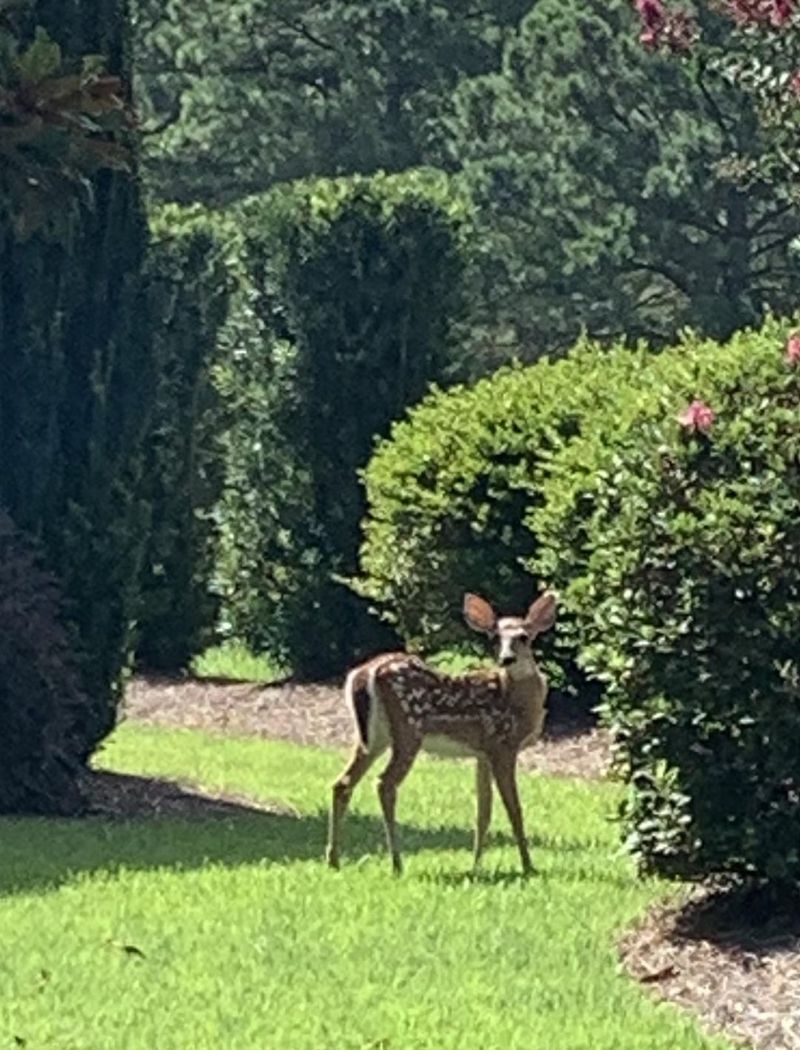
514,635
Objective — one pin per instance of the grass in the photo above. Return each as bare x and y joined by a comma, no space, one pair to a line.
234,662
249,943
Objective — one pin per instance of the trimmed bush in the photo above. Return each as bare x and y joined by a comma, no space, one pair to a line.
355,282
41,702
189,286
77,385
676,547
451,493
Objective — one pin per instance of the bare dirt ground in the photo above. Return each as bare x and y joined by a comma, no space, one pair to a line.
726,957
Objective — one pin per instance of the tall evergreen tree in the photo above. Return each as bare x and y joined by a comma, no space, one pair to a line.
77,375
599,170
239,94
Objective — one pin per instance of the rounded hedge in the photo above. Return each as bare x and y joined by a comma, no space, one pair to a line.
451,492
672,530
356,284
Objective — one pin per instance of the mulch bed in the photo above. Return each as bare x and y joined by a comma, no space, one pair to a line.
731,956
725,956
316,714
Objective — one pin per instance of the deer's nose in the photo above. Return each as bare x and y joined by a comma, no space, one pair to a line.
507,660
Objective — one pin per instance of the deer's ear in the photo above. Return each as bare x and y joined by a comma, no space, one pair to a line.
479,614
542,614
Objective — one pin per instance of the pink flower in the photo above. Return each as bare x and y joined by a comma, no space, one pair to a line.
782,11
697,417
794,84
651,12
761,12
793,348
674,30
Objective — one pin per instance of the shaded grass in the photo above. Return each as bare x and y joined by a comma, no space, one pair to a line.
234,662
248,942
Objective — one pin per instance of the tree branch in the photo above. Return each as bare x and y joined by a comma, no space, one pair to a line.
714,109
778,242
661,270
301,29
167,121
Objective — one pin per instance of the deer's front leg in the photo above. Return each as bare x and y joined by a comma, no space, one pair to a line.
504,767
483,790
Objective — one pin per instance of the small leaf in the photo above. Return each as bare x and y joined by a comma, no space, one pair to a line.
131,949
41,60
664,974
128,949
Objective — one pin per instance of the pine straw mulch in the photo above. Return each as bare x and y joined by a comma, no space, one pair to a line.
732,956
729,957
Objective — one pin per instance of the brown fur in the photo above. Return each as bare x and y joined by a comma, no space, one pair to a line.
402,704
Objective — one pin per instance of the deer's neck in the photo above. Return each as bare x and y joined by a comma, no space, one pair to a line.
527,690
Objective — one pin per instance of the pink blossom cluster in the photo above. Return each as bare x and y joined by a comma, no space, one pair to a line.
661,28
760,12
697,417
677,30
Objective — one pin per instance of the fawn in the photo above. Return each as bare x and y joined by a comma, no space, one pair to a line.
400,704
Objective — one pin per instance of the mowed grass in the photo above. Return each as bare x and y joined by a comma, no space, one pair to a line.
247,942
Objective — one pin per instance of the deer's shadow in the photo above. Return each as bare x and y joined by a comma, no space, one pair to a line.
146,824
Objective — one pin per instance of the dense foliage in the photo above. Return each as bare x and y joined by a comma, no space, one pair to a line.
671,529
239,94
188,288
41,703
58,127
450,495
597,170
755,44
356,283
78,375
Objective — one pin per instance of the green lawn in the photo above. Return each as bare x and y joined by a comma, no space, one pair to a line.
250,943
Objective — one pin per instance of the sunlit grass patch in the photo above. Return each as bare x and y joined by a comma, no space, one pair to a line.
209,934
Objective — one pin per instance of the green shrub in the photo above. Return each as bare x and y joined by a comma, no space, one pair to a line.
189,285
78,371
355,283
41,702
677,553
451,493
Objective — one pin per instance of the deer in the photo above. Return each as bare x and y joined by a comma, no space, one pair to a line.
401,704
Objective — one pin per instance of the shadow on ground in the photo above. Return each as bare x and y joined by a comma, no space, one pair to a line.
139,823
749,917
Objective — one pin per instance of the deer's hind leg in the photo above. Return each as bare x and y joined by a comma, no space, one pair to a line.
405,748
355,771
